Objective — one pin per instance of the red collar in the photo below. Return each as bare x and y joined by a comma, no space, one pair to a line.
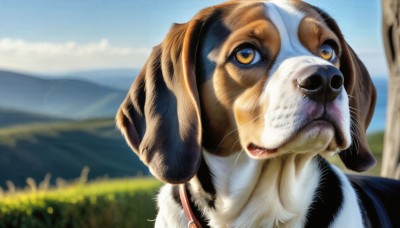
193,221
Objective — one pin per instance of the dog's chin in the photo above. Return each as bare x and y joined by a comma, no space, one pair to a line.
317,137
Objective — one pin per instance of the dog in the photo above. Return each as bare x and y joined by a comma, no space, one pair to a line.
236,111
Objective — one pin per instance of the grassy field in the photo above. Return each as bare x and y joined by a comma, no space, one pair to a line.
102,203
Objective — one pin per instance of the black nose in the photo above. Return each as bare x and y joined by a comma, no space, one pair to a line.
321,83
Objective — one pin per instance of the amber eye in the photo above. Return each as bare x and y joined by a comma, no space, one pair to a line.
247,56
327,52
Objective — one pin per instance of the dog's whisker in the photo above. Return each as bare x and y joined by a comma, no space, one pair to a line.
233,145
354,129
351,96
354,113
355,109
225,137
235,130
356,124
237,158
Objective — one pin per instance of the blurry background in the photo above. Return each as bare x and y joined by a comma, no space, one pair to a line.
66,65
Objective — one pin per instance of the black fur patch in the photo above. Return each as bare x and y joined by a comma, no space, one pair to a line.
328,198
213,34
205,178
175,195
380,198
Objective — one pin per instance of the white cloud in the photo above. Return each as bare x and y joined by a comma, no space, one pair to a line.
50,57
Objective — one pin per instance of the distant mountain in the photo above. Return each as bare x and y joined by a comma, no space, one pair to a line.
11,118
61,98
114,78
63,149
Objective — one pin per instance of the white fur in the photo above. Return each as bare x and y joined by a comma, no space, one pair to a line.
350,213
254,193
170,213
251,193
287,20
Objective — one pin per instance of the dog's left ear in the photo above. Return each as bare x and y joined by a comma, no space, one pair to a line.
160,117
362,99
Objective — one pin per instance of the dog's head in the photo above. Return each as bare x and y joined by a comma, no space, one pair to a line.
266,77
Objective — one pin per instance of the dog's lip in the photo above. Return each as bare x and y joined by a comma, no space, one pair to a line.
321,122
259,151
339,137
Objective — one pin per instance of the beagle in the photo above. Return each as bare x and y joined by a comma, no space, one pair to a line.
235,111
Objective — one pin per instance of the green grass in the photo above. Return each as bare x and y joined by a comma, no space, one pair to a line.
104,203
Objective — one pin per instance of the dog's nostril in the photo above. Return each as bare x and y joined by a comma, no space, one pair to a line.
313,82
320,83
336,82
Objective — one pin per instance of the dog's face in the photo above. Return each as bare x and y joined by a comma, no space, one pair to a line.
277,81
266,77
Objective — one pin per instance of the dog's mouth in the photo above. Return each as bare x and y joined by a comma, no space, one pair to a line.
339,134
258,151
310,131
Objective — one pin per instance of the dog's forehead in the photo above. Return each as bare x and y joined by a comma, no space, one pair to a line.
281,12
285,15
286,18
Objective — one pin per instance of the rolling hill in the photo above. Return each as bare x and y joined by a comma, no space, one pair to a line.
63,149
10,117
61,98
115,78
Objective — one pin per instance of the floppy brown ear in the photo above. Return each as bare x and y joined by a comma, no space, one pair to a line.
160,117
362,99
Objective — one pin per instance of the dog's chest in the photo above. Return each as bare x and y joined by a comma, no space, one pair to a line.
276,193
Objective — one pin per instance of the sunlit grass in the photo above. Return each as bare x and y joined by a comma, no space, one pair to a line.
101,203
76,192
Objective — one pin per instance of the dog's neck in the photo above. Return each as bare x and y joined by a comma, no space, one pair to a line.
275,192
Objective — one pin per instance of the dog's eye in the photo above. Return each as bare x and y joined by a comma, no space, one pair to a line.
327,52
247,56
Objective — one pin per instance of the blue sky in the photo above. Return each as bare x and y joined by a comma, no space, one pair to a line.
53,36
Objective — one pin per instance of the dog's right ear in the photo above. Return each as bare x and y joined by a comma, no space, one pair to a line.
160,117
